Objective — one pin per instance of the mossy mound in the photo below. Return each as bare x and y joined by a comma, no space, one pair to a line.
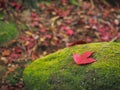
8,32
58,71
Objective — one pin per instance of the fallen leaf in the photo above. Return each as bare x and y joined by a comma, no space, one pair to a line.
34,56
87,54
48,36
11,69
33,14
35,24
75,43
84,58
88,39
17,50
15,5
69,32
13,56
5,52
18,7
64,2
68,21
29,33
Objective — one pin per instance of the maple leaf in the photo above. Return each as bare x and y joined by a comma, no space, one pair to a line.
30,45
64,2
15,5
6,52
63,27
88,39
84,58
48,36
35,24
14,56
43,29
68,21
33,14
18,7
17,50
69,32
75,43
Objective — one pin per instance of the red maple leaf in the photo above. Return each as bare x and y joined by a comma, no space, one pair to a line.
16,5
33,14
69,32
84,58
35,24
75,43
64,2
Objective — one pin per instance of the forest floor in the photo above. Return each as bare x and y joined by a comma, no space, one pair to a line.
52,27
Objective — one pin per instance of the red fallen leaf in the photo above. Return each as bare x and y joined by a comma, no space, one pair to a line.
87,54
118,35
32,39
105,38
57,42
30,45
69,32
25,38
35,24
64,2
14,56
84,58
35,19
17,50
48,36
86,5
42,29
68,21
15,5
62,13
46,44
22,37
18,7
63,27
33,14
75,43
88,39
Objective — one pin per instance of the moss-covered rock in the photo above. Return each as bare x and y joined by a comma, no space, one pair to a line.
58,71
8,32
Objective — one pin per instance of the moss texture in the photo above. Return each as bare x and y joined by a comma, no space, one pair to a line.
8,32
58,71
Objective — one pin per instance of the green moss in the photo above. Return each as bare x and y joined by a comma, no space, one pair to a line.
58,71
14,77
1,15
8,32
